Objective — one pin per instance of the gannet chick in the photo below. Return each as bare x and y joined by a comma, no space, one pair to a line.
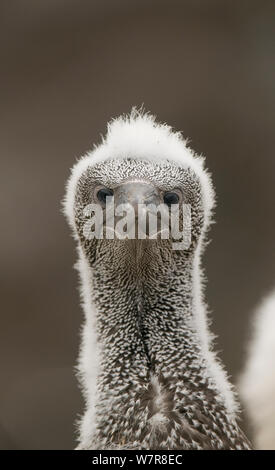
149,375
257,383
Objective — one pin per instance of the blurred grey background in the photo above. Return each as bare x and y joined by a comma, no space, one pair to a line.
207,68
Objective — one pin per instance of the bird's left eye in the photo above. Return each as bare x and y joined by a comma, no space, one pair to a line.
170,198
103,193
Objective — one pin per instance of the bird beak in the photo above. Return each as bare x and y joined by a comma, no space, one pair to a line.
143,198
136,193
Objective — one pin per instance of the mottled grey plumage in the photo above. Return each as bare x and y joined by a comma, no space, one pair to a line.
156,383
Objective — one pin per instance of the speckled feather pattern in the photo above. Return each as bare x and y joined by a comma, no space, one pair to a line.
153,387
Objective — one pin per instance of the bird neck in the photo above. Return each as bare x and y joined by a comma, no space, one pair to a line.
146,308
146,330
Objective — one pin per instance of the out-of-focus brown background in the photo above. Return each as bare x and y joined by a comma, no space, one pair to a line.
206,67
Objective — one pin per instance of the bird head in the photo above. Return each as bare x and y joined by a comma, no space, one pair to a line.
142,191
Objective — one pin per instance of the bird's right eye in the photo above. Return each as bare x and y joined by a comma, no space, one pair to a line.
103,193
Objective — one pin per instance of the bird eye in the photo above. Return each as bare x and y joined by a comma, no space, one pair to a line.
103,193
170,198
